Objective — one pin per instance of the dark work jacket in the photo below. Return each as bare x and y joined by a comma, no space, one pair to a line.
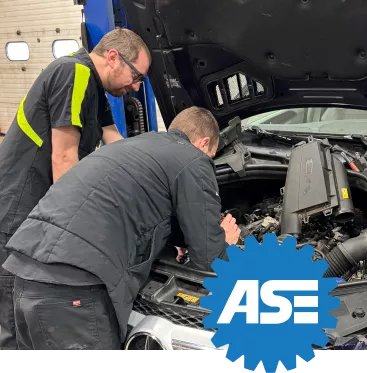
111,214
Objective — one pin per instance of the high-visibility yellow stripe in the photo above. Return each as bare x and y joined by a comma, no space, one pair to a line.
81,79
25,126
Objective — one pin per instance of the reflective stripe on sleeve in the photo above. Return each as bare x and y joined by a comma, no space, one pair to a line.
25,126
81,80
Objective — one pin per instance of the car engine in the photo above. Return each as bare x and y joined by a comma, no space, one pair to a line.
322,233
316,207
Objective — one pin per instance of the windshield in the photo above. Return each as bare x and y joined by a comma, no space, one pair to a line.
314,120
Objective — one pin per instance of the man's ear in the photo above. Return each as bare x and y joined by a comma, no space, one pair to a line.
112,57
205,142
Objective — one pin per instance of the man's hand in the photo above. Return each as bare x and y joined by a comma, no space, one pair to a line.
231,229
182,255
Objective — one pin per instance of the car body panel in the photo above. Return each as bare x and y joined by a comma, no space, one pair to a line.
299,52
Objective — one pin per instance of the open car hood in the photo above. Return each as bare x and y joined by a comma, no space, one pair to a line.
243,57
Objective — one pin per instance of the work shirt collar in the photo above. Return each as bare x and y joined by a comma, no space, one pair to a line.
178,133
83,55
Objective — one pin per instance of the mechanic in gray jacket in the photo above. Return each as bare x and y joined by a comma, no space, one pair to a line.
86,249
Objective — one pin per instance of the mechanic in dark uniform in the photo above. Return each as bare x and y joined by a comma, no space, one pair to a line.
62,119
84,252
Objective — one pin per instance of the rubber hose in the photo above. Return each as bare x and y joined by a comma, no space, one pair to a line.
338,264
346,256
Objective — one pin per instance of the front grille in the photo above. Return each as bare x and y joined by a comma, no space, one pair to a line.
178,315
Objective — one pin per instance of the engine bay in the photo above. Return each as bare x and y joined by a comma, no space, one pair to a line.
314,198
329,220
315,204
322,233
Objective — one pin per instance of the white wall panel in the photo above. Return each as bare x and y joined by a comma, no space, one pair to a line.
39,23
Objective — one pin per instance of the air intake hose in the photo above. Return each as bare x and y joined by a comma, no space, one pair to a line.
346,256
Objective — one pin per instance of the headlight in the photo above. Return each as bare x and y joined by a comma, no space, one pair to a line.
143,341
157,333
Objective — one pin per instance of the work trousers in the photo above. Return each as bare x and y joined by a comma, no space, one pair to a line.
61,317
7,322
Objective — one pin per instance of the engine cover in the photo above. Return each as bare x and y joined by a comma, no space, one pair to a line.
316,183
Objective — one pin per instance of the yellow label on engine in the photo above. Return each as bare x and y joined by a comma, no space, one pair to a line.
188,298
345,193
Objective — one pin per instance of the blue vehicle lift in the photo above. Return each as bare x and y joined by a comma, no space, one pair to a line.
102,16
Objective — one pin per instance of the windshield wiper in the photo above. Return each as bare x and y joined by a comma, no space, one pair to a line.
336,136
361,138
261,133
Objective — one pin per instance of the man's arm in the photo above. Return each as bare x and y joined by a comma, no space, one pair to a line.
65,144
110,134
198,209
65,90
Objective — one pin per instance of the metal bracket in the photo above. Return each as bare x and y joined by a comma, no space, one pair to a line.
328,212
236,159
364,139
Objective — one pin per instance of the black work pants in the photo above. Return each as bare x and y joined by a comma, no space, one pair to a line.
61,317
7,323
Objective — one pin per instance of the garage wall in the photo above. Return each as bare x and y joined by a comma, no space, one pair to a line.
39,24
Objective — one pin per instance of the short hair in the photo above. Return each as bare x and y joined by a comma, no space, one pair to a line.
124,41
197,122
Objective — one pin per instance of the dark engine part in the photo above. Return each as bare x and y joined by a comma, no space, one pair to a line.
134,114
316,184
346,256
345,210
263,219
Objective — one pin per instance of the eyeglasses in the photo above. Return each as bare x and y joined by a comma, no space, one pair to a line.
137,76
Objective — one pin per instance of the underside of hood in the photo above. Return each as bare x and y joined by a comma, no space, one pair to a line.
242,57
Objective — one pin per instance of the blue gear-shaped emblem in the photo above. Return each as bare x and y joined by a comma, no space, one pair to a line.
269,343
